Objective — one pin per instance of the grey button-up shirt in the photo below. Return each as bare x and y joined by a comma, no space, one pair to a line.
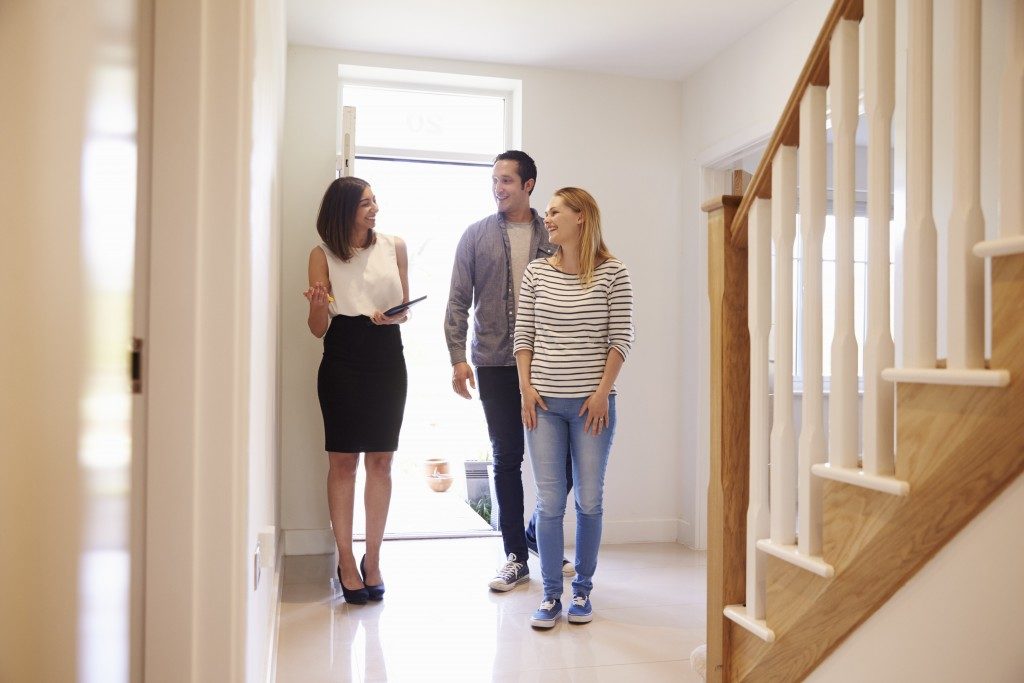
482,278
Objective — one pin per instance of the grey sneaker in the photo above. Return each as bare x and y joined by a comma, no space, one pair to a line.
512,573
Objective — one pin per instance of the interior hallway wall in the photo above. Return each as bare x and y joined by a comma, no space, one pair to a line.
213,339
269,52
619,138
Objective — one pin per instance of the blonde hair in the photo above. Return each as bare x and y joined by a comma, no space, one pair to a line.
593,250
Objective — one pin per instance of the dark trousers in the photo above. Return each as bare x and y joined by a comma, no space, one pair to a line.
499,393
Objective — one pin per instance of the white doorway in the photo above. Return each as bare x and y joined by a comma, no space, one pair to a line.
427,151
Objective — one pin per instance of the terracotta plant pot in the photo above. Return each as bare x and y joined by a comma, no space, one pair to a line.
432,466
440,482
437,475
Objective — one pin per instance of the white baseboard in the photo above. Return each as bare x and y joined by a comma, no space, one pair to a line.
275,615
308,541
637,531
321,541
685,535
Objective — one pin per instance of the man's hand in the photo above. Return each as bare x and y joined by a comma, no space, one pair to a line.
460,373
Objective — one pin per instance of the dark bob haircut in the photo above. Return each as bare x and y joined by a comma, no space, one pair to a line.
337,216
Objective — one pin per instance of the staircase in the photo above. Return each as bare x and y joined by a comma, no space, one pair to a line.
809,535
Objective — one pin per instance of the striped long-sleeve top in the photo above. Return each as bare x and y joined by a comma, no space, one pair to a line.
571,329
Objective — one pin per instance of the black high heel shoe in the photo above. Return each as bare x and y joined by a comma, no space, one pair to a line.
353,596
373,592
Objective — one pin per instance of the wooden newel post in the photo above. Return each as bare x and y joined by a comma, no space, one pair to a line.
730,427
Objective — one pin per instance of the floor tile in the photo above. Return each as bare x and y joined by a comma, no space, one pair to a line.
439,622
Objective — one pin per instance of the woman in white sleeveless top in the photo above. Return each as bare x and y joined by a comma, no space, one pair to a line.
355,273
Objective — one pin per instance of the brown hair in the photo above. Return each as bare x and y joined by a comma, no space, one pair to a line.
525,164
337,216
593,250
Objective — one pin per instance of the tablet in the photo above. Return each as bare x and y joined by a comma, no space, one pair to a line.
394,310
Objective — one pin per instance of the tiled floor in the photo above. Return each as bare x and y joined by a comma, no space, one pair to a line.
439,622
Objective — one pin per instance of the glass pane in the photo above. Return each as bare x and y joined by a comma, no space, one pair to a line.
828,314
860,239
109,181
443,122
798,319
429,206
859,312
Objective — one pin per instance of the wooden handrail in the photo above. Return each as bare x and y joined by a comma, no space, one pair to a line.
815,72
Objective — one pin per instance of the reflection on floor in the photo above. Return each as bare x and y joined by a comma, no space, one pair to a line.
439,622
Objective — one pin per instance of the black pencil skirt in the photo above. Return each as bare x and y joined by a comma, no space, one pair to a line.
362,385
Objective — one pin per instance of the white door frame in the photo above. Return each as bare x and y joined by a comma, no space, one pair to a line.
713,180
140,329
196,573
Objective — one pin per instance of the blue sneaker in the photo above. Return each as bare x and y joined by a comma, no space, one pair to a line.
580,611
547,614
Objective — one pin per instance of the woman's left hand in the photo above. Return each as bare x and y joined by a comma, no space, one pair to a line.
378,318
596,408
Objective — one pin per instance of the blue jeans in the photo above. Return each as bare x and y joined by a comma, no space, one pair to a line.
558,427
499,393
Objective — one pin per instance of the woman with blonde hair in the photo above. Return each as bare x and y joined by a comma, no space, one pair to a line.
573,333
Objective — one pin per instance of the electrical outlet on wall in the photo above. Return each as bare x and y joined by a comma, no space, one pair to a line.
265,556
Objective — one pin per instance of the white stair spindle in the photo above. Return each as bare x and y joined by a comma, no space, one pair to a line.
1011,128
920,239
843,437
965,321
812,444
783,436
759,315
879,350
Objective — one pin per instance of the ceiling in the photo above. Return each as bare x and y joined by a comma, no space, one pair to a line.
665,39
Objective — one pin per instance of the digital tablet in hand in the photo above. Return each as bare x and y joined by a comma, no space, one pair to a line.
395,310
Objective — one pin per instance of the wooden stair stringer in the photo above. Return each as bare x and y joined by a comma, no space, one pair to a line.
959,447
897,536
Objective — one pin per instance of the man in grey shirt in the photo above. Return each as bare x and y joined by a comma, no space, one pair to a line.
489,265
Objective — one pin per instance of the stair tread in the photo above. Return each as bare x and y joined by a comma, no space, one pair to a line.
1004,246
759,627
858,477
949,376
791,553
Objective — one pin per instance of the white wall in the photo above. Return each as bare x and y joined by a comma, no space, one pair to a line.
211,461
269,53
619,138
958,619
733,101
